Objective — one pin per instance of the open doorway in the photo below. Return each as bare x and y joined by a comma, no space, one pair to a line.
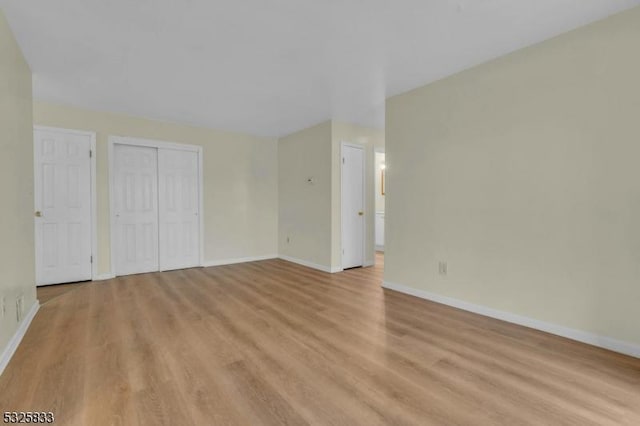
358,183
380,167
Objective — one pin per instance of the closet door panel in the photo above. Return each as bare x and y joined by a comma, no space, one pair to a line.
136,209
178,201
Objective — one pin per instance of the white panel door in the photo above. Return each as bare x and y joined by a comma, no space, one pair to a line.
178,173
63,206
135,209
352,206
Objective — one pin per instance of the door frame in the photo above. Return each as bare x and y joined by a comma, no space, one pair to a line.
93,189
150,143
375,195
364,201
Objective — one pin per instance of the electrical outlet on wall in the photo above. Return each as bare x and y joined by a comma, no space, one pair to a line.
442,268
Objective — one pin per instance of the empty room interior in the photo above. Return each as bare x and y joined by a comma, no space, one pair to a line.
320,212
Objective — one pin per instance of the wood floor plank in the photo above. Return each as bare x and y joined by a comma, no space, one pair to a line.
50,292
273,342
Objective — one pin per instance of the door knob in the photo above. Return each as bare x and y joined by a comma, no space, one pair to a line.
38,214
360,213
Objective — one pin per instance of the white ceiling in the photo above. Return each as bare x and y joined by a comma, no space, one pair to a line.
270,67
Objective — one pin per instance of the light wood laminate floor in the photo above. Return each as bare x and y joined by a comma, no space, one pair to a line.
49,292
275,343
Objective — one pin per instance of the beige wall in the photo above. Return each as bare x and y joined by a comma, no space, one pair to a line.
17,271
305,208
523,174
371,139
310,214
240,179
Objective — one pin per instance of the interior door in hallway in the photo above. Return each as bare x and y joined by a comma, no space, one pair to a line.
178,201
135,207
62,179
352,206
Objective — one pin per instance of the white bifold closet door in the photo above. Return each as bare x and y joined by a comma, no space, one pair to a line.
156,209
136,209
178,209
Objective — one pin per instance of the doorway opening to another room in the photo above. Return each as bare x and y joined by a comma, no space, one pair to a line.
380,168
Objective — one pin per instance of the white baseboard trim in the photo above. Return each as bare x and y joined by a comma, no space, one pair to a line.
238,260
380,248
609,343
17,337
323,268
102,277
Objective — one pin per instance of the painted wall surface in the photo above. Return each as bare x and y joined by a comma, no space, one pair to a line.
310,214
305,207
17,247
370,139
240,179
523,174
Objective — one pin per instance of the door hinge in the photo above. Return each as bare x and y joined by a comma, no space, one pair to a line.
342,160
90,153
91,259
